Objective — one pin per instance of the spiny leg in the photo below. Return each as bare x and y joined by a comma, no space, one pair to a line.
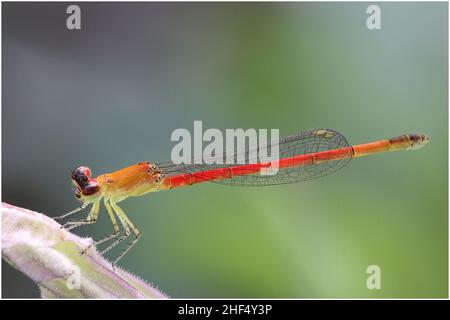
115,243
114,223
123,216
91,218
83,206
123,237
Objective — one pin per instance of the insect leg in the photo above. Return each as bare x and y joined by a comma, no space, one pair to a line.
121,238
91,218
83,206
136,232
114,223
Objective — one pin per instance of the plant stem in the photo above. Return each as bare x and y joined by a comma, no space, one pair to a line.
51,256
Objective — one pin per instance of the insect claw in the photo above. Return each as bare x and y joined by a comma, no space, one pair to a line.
85,250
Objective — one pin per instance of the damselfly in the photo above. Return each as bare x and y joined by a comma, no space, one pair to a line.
303,156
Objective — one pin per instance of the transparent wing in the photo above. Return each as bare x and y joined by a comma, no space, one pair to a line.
301,143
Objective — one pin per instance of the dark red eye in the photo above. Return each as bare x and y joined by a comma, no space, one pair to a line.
81,171
91,188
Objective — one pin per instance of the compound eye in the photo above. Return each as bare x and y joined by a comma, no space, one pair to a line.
81,171
91,188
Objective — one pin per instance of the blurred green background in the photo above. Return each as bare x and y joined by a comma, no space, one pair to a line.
111,94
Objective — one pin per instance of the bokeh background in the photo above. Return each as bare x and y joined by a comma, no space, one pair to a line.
111,94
